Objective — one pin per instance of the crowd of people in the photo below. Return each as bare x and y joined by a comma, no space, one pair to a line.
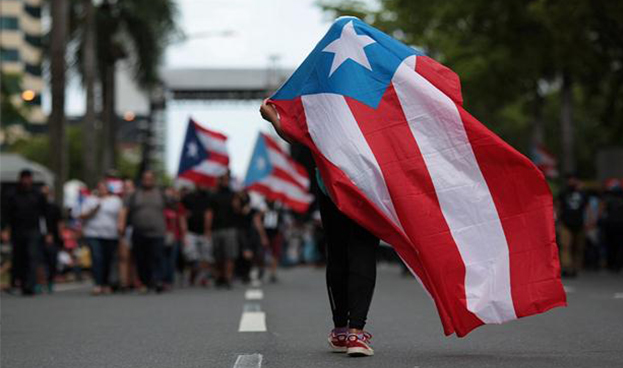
590,227
148,238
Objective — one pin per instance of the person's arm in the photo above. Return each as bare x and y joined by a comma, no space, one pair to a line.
122,220
183,223
270,114
257,222
208,218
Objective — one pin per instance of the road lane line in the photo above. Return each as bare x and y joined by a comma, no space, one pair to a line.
252,322
618,295
249,361
256,283
253,319
254,294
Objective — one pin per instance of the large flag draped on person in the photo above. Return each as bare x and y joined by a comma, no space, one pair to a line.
204,155
470,216
275,175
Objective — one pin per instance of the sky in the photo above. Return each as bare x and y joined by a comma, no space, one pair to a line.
237,34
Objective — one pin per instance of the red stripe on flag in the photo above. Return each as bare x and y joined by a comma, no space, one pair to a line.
441,77
409,183
524,204
266,191
272,144
209,132
217,157
352,201
285,176
198,178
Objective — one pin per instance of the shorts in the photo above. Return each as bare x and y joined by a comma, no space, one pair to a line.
225,244
197,248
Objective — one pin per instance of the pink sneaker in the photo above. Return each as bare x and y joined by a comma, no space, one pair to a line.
337,340
359,344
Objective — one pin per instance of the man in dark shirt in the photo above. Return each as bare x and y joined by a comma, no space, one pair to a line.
221,228
197,248
24,215
572,204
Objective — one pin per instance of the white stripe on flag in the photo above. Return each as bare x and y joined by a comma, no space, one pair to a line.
278,160
335,132
212,143
210,168
464,196
290,190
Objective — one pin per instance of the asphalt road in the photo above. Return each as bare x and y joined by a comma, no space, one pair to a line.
200,328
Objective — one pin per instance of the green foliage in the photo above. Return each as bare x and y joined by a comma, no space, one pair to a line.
10,88
38,149
511,55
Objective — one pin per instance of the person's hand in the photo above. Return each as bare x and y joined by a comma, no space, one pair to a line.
49,239
269,113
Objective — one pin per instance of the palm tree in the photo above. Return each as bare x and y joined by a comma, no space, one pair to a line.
89,66
58,46
138,31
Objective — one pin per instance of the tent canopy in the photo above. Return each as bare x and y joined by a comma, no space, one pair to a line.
11,164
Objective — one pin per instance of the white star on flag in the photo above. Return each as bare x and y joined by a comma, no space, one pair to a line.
260,163
193,150
349,46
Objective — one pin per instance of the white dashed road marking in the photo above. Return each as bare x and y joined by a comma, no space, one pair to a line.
254,294
253,319
249,361
618,295
569,289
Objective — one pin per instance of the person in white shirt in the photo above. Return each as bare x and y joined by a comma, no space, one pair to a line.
100,214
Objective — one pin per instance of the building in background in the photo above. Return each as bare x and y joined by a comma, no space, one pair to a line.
21,34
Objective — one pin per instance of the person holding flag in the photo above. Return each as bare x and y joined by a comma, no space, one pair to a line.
351,267
398,155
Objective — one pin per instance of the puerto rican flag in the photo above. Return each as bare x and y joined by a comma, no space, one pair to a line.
204,155
470,216
275,175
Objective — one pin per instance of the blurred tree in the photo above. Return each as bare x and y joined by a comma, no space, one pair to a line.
10,89
522,63
58,46
137,31
38,149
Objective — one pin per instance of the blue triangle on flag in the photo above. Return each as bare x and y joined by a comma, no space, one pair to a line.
260,165
193,151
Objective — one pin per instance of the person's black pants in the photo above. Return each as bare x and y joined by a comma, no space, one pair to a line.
26,254
102,256
50,255
148,253
351,266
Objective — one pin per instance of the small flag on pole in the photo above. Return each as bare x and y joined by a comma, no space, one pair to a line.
275,175
204,155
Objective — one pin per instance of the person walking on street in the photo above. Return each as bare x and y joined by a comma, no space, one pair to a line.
100,215
24,216
197,249
351,267
572,203
220,227
144,211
